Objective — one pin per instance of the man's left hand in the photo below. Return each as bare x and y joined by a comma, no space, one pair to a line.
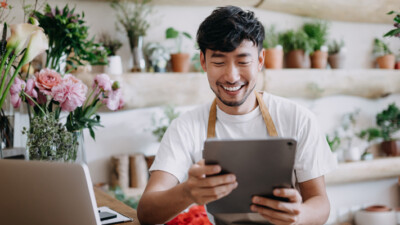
279,212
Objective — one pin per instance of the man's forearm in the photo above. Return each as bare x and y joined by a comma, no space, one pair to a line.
315,211
159,207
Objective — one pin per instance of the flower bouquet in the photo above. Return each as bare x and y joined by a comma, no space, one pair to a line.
48,94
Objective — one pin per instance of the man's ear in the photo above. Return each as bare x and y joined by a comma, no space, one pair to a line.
203,61
261,58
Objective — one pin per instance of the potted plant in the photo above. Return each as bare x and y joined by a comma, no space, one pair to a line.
158,57
297,48
317,33
388,122
336,51
114,61
180,61
133,19
384,57
273,49
395,33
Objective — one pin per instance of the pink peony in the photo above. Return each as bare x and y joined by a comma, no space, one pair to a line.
31,91
103,82
46,79
69,94
15,90
113,100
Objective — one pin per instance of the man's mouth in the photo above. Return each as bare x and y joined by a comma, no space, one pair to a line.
232,88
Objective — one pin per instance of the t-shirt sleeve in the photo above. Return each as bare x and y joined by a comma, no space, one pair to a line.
173,156
313,157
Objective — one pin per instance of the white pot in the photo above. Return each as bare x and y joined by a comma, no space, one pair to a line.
114,65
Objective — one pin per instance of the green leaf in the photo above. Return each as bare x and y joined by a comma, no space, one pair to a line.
392,33
187,35
171,33
391,12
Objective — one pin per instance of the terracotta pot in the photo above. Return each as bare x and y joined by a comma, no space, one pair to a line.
391,148
273,58
297,59
378,208
319,59
397,65
180,62
336,61
386,61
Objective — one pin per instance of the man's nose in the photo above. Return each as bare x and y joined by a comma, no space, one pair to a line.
232,74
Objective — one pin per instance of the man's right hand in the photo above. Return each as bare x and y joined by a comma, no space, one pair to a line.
202,189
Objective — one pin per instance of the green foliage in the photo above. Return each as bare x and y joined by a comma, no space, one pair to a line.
396,31
171,33
271,38
317,32
295,40
132,16
118,193
388,122
49,140
334,143
68,34
381,48
163,124
335,46
112,45
84,117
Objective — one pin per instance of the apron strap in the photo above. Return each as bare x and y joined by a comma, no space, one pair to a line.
212,119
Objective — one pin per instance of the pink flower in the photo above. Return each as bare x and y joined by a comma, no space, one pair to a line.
69,94
102,82
46,79
16,88
113,100
31,91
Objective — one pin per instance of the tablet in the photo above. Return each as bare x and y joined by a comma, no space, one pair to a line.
260,165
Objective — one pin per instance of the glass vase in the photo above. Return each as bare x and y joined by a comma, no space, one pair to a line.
139,62
79,151
6,127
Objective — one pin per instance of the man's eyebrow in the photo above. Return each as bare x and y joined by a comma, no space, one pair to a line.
217,55
242,55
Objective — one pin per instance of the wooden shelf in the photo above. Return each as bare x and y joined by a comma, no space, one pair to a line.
364,171
154,89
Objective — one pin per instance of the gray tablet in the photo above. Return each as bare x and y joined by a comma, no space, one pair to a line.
260,165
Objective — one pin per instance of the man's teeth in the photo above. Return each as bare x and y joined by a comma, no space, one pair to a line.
232,88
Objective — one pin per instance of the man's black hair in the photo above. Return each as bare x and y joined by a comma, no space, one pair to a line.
226,28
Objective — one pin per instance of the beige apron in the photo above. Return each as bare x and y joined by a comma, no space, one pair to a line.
227,219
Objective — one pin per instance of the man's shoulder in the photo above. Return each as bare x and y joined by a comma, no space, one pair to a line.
286,106
196,114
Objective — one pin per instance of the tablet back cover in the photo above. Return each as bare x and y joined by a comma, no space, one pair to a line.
259,165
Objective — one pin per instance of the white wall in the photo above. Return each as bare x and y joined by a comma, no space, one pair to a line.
101,17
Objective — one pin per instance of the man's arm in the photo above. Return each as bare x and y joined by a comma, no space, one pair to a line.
311,207
164,198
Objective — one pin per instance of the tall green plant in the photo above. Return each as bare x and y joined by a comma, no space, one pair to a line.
133,17
381,48
68,34
396,31
317,33
295,40
171,33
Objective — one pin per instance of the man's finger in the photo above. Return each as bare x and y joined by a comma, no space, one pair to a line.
292,194
217,180
273,214
201,170
292,208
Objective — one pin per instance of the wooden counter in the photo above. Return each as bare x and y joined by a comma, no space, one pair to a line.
103,199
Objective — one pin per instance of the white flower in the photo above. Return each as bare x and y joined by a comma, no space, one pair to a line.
19,35
37,44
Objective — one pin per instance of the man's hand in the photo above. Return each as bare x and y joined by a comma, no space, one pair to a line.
202,189
279,212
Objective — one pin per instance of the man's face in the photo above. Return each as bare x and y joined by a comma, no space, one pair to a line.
232,75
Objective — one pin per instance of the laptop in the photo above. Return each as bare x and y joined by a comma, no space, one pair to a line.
46,193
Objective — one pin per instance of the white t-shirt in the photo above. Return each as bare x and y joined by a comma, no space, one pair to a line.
183,142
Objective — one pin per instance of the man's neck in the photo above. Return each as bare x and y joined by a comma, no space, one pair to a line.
249,105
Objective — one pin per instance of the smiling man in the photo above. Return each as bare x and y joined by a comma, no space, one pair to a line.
230,41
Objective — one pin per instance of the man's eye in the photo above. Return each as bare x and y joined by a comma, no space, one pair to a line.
243,63
218,63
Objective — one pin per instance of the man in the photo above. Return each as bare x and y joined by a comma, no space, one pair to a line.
230,41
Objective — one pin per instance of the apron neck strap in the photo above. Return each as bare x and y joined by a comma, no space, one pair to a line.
212,119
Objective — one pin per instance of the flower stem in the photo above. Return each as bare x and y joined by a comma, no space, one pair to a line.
37,104
10,82
3,61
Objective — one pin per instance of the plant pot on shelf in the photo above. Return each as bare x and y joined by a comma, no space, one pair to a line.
180,62
273,58
386,61
336,61
391,148
297,59
397,65
319,59
114,65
